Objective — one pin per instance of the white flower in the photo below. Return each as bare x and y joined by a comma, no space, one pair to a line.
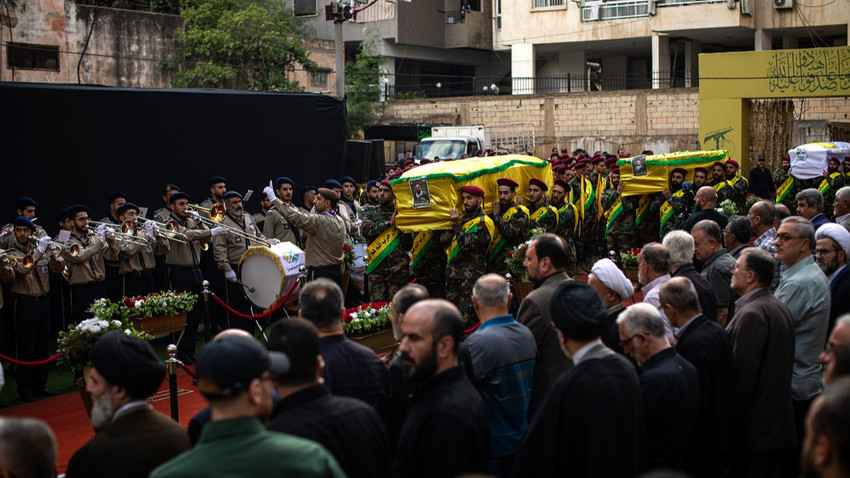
117,322
138,303
127,332
353,315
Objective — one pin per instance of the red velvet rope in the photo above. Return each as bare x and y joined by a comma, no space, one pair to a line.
472,329
259,316
30,364
190,372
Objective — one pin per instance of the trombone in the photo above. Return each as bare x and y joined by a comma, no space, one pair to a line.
212,222
12,261
215,212
121,236
73,249
167,230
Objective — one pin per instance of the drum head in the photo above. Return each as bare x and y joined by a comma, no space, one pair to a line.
261,270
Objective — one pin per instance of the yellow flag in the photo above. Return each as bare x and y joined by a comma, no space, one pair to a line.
650,174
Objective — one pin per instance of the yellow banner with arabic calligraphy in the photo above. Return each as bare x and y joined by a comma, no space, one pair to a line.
426,194
650,174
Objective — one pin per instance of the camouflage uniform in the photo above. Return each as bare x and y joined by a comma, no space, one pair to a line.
468,265
677,202
567,229
549,221
514,231
392,273
649,224
737,193
430,270
779,177
828,187
586,243
622,234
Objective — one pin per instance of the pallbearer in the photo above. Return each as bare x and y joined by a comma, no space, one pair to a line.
511,221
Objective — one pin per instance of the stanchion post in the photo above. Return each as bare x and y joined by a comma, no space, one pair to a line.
302,276
206,293
172,365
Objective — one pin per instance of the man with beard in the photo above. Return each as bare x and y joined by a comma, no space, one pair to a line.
446,432
833,180
599,396
87,267
236,375
706,201
613,288
467,242
718,170
761,184
786,185
136,258
826,452
619,217
585,200
372,194
542,215
674,208
132,438
217,186
545,264
228,250
511,220
389,264
111,265
275,224
567,219
700,178
184,271
735,186
833,243
24,206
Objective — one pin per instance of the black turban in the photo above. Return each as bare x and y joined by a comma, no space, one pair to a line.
577,311
128,362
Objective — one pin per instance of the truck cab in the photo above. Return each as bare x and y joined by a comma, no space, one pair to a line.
448,147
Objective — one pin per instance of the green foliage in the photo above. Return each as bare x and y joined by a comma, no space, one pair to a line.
159,6
410,95
241,44
363,84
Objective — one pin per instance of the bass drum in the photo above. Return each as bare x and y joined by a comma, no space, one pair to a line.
270,272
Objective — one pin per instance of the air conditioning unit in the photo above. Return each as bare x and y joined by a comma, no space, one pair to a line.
778,4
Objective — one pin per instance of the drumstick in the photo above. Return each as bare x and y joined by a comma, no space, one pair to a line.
250,289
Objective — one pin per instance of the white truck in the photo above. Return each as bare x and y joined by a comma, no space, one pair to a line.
452,142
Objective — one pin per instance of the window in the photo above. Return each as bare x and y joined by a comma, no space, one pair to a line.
546,3
29,56
304,7
498,14
319,78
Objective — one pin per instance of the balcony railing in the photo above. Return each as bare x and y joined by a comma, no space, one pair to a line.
546,3
618,9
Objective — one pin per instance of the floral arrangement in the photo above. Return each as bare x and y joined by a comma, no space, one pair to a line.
75,344
630,258
161,303
367,319
517,256
751,199
348,254
728,208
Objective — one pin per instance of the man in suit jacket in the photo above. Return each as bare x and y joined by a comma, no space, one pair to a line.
842,207
133,438
832,246
591,423
545,264
680,244
706,346
762,335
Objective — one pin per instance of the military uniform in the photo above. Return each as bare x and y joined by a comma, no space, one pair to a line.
512,227
647,217
137,263
31,312
543,216
567,228
184,273
619,220
7,239
468,243
259,219
280,228
327,233
583,195
786,188
428,262
389,263
113,278
160,272
228,249
673,211
735,189
828,187
87,271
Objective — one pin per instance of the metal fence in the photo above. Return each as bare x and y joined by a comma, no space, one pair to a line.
403,86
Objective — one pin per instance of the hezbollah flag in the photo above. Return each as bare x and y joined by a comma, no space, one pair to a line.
426,194
650,174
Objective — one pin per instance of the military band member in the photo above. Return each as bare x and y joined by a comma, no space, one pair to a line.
348,196
161,214
86,265
228,249
833,180
137,258
24,206
60,297
276,225
218,186
468,242
260,216
326,229
541,214
31,307
389,265
184,270
567,220
342,209
308,197
113,280
512,223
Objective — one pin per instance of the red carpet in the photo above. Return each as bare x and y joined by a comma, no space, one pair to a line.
67,417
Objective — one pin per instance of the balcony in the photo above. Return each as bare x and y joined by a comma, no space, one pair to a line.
616,10
468,29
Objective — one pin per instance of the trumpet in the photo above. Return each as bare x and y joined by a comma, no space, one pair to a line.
73,249
119,234
215,212
12,261
236,232
167,230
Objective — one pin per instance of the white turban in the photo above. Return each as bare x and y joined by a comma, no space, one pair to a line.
609,274
836,232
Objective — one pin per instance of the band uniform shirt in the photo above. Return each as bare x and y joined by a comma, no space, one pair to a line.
88,266
326,231
35,281
229,248
189,254
139,257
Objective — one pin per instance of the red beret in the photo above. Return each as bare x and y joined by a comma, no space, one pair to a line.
582,162
683,171
385,182
615,169
473,190
733,162
563,184
407,163
539,183
394,175
424,161
597,159
387,170
703,170
507,182
718,163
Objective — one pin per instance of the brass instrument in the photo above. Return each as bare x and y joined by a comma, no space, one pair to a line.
73,249
236,232
215,212
119,234
167,230
12,261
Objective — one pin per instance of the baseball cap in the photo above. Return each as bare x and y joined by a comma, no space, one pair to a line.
227,366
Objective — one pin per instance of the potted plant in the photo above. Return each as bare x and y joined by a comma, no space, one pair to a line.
158,313
629,260
369,324
514,261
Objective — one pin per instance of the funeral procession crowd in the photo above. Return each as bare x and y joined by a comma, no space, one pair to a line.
725,356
